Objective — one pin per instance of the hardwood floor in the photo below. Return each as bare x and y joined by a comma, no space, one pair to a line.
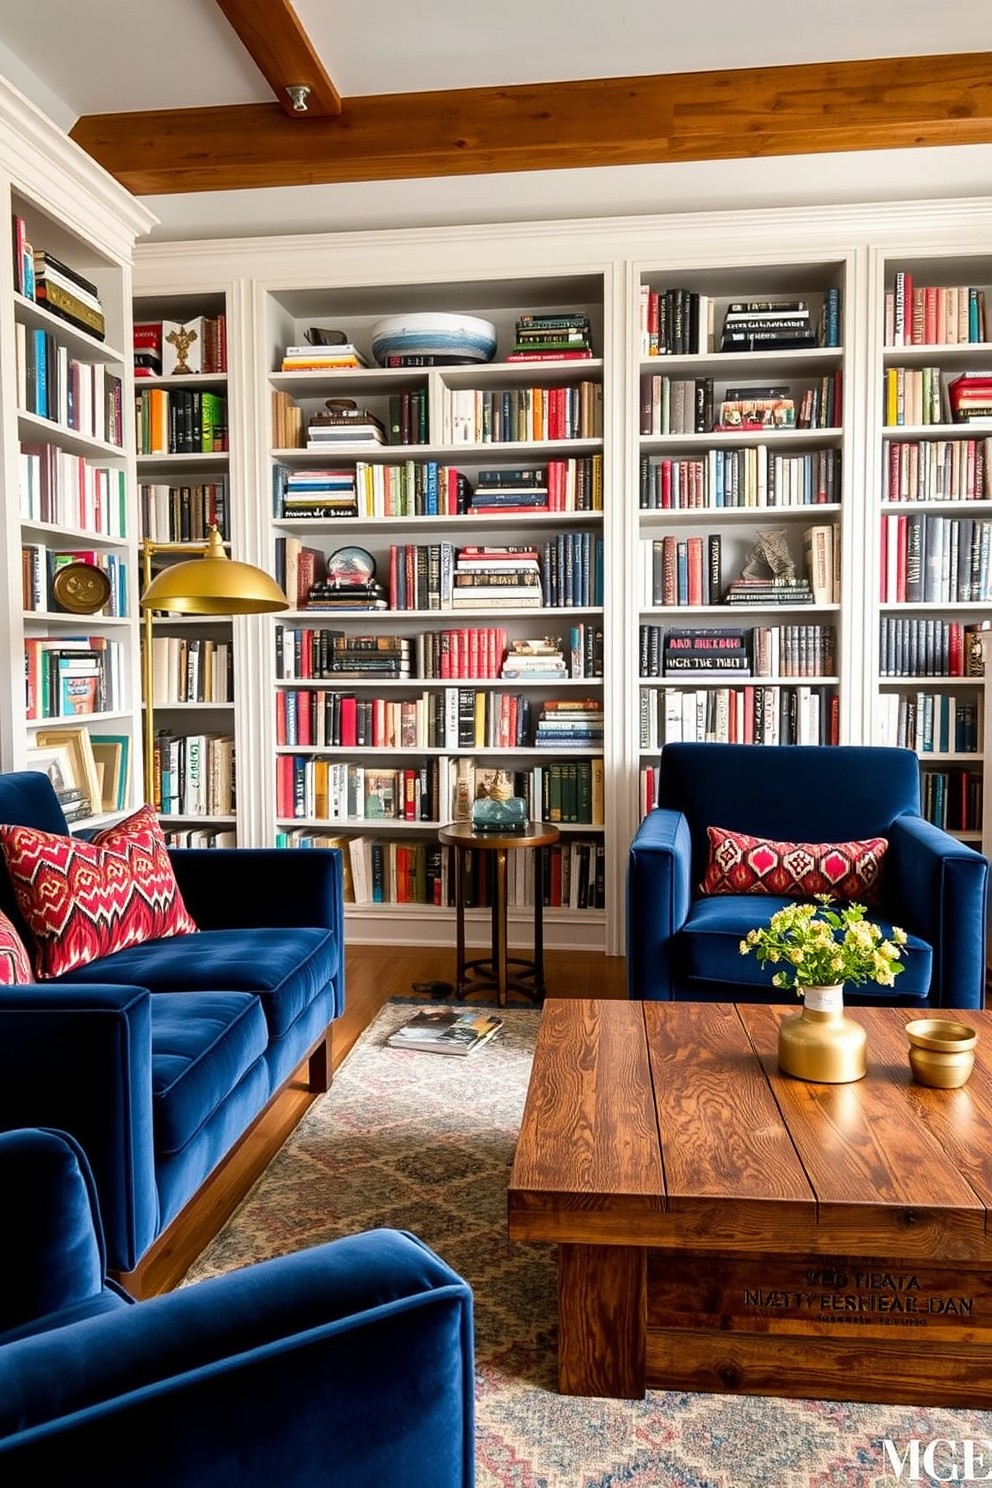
374,974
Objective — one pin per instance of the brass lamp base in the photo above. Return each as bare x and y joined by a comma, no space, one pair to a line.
821,1044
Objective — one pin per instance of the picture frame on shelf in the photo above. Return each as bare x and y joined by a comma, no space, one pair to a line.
55,761
113,753
79,747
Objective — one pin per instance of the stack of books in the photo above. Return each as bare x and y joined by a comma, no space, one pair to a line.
320,493
511,490
343,422
769,591
552,338
567,724
767,325
970,398
327,594
322,358
67,294
446,1031
369,656
712,651
539,658
497,578
146,338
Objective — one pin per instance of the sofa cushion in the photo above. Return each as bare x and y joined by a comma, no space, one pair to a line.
285,968
203,1043
742,864
15,963
710,941
82,900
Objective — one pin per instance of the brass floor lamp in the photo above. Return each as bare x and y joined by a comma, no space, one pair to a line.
210,584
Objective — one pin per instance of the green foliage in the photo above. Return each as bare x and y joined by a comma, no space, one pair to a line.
817,946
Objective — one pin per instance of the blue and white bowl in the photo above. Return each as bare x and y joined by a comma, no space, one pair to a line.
462,338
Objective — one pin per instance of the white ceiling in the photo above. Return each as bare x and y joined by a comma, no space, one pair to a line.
74,57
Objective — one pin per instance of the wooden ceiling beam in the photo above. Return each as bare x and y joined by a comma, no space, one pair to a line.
809,109
282,51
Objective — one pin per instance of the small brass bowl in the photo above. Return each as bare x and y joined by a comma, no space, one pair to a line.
941,1052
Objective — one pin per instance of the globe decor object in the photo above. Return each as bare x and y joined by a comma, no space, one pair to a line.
809,943
433,339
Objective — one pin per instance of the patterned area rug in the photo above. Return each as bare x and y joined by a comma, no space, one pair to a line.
424,1143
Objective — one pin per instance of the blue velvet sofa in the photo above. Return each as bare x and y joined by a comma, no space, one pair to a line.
159,1057
348,1365
686,945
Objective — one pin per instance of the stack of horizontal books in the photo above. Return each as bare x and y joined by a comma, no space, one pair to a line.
552,338
343,422
522,489
67,294
706,651
566,724
496,578
767,325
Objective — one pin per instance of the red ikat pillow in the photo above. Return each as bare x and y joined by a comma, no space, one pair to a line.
82,900
739,864
15,963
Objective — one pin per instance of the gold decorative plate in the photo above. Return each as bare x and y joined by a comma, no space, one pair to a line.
81,588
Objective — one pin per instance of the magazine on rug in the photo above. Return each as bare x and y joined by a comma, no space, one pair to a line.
444,1031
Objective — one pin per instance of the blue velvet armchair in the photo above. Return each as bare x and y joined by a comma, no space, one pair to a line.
683,944
349,1364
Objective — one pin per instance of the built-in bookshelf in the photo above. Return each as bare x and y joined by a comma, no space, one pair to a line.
182,428
934,412
69,569
684,511
446,572
740,505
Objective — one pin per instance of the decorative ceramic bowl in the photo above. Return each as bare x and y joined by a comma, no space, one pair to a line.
442,339
941,1052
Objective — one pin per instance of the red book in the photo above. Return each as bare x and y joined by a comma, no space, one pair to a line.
900,594
284,785
349,714
281,717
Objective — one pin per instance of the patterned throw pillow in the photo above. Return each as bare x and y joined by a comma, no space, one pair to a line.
739,864
82,900
15,964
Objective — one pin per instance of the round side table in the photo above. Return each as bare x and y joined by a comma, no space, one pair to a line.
493,972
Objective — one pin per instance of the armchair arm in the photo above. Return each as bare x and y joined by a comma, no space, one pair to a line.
79,1057
51,1248
658,898
349,1364
937,888
250,886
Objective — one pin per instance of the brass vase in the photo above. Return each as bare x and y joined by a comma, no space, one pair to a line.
820,1043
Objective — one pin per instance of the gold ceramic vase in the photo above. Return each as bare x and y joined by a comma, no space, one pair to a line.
820,1043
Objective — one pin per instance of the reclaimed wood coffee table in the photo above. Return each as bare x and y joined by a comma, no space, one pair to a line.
722,1227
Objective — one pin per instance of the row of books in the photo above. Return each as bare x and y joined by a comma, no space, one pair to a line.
681,322
200,837
191,669
173,348
930,648
771,650
520,415
748,714
194,774
85,397
315,788
180,421
402,418
57,486
40,566
564,572
184,513
939,469
753,476
681,570
929,558
72,676
930,722
952,799
933,314
470,652
382,870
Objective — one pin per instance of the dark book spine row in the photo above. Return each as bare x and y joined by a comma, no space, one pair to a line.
930,648
683,571
952,799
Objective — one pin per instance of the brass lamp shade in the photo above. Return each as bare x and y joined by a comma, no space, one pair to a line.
213,585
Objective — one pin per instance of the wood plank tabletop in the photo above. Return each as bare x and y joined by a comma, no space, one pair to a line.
588,1144
670,1124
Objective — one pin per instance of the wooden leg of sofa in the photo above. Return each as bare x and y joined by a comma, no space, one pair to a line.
320,1066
